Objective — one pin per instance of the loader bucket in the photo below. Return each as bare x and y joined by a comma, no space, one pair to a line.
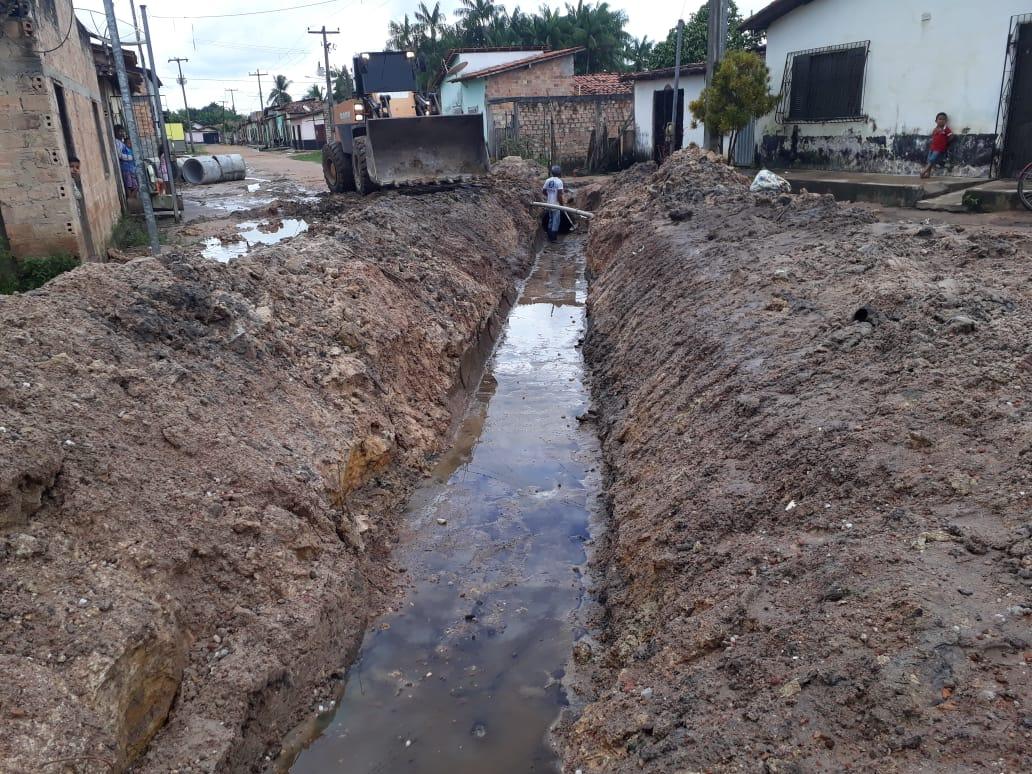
426,149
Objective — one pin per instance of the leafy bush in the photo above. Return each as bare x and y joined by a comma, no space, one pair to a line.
36,272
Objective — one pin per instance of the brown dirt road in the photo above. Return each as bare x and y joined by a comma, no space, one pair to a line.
200,468
819,445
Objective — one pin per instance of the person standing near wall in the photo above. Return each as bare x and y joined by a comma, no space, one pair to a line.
126,163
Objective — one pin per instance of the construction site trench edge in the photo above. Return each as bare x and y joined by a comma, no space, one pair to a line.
721,481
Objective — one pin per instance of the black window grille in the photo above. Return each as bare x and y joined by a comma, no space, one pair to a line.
824,84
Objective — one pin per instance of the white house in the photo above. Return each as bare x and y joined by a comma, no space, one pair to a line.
467,96
654,106
306,123
861,83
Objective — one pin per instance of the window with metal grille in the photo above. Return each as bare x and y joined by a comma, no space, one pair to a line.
824,84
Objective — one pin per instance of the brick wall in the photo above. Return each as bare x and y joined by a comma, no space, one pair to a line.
37,202
570,119
552,78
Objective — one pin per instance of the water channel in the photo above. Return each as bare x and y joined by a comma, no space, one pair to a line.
466,676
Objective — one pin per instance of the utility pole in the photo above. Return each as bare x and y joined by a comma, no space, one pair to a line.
163,135
716,43
232,102
182,82
326,58
677,86
261,101
223,103
130,125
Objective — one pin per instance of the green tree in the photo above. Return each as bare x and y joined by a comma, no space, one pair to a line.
430,21
738,93
638,53
343,85
476,16
696,35
600,31
315,91
209,115
401,35
279,94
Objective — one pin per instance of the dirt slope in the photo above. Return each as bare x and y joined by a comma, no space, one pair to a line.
819,442
199,468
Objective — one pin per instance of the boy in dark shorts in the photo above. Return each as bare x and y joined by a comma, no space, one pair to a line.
940,143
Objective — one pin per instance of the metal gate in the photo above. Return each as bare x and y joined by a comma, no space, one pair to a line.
1014,115
745,146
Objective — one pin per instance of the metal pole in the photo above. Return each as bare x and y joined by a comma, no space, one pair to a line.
182,83
715,45
169,163
130,125
677,86
326,58
261,105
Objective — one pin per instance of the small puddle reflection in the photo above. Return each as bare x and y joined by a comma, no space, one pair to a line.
253,233
466,676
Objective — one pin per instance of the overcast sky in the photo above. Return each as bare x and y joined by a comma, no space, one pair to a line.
222,51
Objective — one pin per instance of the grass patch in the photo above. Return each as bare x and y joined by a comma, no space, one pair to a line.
315,156
33,273
131,232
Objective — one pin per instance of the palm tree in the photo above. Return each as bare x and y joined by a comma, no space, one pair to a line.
430,20
279,95
315,91
476,15
551,28
343,85
601,32
402,35
638,53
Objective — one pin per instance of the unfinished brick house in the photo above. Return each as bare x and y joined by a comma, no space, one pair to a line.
52,108
534,106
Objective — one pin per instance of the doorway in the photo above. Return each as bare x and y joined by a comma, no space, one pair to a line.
1017,142
662,111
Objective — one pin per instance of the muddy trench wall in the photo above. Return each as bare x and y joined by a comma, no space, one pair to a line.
816,526
201,465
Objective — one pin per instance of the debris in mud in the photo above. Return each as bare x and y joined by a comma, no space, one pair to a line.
795,497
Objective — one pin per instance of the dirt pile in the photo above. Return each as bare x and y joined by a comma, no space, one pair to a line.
200,465
819,447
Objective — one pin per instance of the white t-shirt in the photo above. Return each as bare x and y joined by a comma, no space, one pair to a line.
552,187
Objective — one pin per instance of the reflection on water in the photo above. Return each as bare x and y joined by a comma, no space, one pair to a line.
465,677
253,233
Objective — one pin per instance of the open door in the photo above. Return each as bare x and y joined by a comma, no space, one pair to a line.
662,111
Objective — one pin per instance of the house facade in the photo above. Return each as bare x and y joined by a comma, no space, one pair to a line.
468,95
307,123
653,97
861,83
52,108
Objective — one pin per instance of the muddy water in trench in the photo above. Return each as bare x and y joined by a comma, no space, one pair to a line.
465,676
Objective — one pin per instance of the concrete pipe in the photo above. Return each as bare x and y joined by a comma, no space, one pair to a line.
203,170
232,165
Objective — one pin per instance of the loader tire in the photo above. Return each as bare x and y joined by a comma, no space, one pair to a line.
336,167
360,166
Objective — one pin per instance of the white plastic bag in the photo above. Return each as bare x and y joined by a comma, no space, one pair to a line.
766,180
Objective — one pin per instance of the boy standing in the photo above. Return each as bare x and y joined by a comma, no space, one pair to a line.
941,137
553,191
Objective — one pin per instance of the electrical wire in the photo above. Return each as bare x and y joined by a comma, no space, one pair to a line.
71,23
248,13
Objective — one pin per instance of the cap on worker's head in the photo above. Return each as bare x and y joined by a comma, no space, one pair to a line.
557,170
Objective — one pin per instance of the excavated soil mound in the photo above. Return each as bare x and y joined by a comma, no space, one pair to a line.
819,446
200,465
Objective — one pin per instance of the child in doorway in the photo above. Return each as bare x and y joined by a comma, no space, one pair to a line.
940,143
126,162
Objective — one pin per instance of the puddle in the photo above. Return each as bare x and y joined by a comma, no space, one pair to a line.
252,233
466,676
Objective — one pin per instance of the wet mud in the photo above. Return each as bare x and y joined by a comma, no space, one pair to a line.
466,673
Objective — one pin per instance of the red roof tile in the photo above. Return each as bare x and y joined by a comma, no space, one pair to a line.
600,83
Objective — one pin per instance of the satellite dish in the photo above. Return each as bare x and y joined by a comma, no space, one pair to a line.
457,68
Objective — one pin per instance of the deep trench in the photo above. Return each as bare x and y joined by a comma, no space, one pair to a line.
466,673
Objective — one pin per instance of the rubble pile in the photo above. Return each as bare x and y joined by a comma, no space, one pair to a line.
817,436
200,467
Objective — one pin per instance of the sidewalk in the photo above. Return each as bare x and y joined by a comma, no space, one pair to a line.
888,190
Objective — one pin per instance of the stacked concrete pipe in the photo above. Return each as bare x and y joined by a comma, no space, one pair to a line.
203,170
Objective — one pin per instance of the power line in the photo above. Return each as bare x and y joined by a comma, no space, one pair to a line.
250,13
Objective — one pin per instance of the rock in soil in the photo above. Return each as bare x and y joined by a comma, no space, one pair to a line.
733,379
201,465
